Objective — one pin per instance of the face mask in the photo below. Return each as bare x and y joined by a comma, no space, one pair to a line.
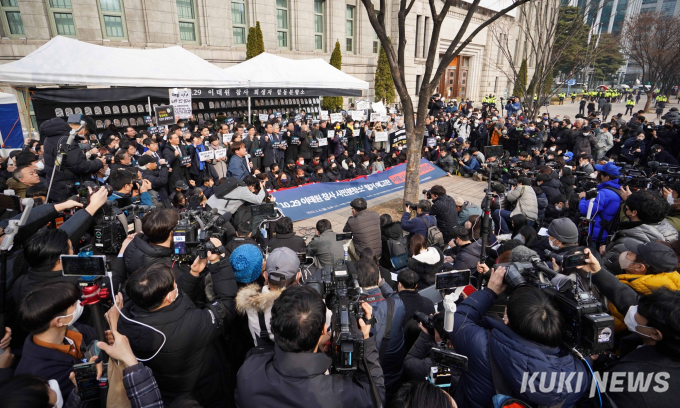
301,162
107,172
10,162
613,132
40,165
332,160
365,164
176,296
631,323
76,313
552,148
670,199
54,385
550,241
586,134
624,263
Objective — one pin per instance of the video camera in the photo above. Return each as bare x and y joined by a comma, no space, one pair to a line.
113,224
342,295
191,236
588,328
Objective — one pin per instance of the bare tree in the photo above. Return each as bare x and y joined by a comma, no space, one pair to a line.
652,41
549,44
415,128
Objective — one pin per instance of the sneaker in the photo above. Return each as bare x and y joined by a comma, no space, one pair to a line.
477,177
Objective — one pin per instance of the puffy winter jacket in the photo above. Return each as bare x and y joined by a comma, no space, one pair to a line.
519,360
468,256
444,209
418,224
583,143
75,166
552,189
527,204
252,300
365,229
140,253
671,116
426,265
641,234
605,207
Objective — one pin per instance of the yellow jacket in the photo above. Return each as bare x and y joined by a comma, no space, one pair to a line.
644,285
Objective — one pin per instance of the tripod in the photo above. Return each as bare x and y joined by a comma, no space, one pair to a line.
486,221
92,294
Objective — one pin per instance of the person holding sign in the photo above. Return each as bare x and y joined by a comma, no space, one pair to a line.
238,166
255,151
217,166
176,157
292,139
270,145
197,168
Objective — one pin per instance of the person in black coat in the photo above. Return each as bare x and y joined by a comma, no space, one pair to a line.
75,166
157,176
444,209
318,176
551,187
285,237
188,357
408,292
389,231
173,153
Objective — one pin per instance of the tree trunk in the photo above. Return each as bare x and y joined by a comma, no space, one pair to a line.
649,99
415,129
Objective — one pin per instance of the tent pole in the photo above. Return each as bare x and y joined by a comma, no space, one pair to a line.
149,99
250,117
319,115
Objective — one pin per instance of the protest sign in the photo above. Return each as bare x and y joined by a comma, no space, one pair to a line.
165,115
431,142
320,198
323,142
336,117
375,117
148,120
362,105
206,155
263,117
220,153
180,99
356,132
381,137
357,115
184,160
323,115
227,137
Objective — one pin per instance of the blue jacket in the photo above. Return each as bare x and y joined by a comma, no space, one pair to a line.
628,150
472,165
512,108
517,358
417,224
605,206
144,198
238,167
395,353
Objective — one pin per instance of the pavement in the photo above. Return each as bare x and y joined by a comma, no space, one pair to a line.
455,186
572,109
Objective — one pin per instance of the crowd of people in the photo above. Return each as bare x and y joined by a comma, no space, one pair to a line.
245,323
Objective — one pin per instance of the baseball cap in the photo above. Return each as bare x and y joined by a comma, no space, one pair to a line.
146,159
459,201
656,255
609,168
182,185
282,264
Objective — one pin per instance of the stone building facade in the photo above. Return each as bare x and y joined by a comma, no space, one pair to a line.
216,30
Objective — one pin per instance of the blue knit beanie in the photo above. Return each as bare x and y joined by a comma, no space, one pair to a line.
246,261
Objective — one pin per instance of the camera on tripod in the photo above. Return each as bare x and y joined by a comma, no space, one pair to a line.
588,328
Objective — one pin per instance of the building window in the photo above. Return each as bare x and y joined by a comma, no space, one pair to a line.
238,21
319,40
376,40
13,25
419,78
668,7
112,19
282,23
62,17
425,28
186,13
349,47
415,44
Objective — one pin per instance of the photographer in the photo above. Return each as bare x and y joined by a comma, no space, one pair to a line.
123,185
526,204
324,247
530,336
365,228
75,166
464,253
157,177
186,359
153,245
634,147
420,357
468,165
445,161
654,318
423,220
444,209
250,190
285,237
293,373
605,205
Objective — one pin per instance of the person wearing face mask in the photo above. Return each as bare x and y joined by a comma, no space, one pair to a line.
186,359
333,172
584,164
318,176
583,141
56,341
364,169
652,317
634,148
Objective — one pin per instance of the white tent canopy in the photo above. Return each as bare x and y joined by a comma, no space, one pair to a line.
66,61
268,70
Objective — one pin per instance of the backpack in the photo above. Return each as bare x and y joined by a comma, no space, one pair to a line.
396,247
434,235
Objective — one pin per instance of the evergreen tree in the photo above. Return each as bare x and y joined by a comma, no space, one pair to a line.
250,43
521,81
334,103
259,43
384,85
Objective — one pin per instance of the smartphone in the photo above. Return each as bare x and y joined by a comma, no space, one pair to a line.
450,359
452,279
343,237
571,261
74,118
86,379
74,265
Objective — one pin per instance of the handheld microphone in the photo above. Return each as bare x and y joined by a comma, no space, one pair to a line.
71,138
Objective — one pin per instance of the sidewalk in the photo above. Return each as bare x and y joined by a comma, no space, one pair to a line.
457,187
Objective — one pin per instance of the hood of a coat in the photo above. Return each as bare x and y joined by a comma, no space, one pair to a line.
257,298
55,127
393,230
431,256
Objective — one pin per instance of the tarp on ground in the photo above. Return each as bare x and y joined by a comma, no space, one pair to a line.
10,126
315,199
273,71
66,61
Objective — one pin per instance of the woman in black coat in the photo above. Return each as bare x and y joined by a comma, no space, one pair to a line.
388,230
426,261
